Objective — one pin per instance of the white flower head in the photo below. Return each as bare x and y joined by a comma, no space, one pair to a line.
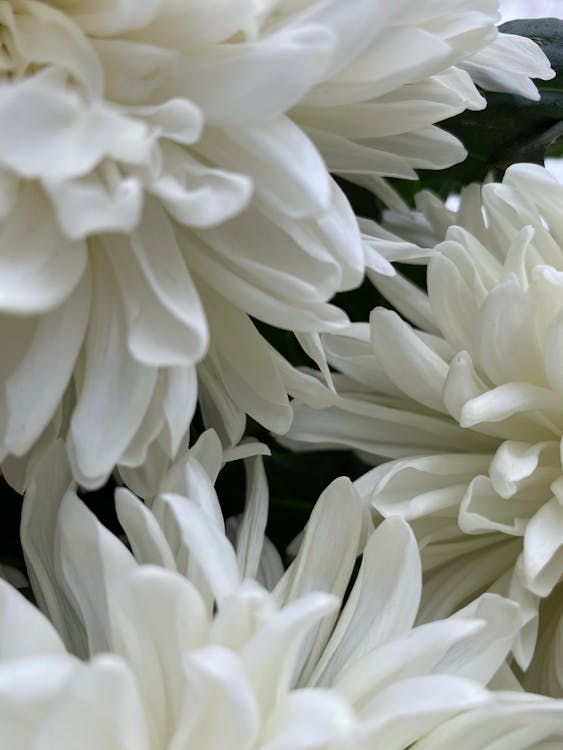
181,651
164,179
469,403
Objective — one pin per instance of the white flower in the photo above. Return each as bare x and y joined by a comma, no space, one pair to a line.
274,671
159,186
469,401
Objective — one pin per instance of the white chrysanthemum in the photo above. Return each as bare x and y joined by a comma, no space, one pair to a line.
277,671
470,403
154,193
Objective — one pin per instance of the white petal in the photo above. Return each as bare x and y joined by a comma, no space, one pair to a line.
419,486
156,617
543,549
115,391
166,319
506,400
92,560
24,631
553,349
199,541
250,533
480,657
249,371
9,188
352,38
383,602
453,300
91,204
411,365
48,484
52,352
463,385
208,452
218,409
193,475
506,341
276,71
220,689
145,536
270,656
483,510
325,559
507,64
181,388
177,119
515,461
288,172
242,615
304,719
50,37
472,564
408,710
120,16
39,267
137,450
382,431
29,688
50,133
185,25
287,287
198,195
343,155
102,706
511,722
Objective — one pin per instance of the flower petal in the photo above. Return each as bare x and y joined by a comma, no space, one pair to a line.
39,267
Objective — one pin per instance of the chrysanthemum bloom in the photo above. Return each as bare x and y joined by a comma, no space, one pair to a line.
469,401
180,652
159,184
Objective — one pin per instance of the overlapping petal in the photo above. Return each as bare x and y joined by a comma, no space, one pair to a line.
178,159
467,400
259,667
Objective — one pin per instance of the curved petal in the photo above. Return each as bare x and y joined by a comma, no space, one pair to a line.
39,267
115,391
383,603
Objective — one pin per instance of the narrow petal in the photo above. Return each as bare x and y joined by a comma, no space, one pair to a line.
270,656
383,603
200,542
52,352
145,536
250,533
115,391
412,366
325,559
48,484
543,548
92,560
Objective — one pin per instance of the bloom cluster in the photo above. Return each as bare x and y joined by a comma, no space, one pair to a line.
467,401
171,202
163,184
